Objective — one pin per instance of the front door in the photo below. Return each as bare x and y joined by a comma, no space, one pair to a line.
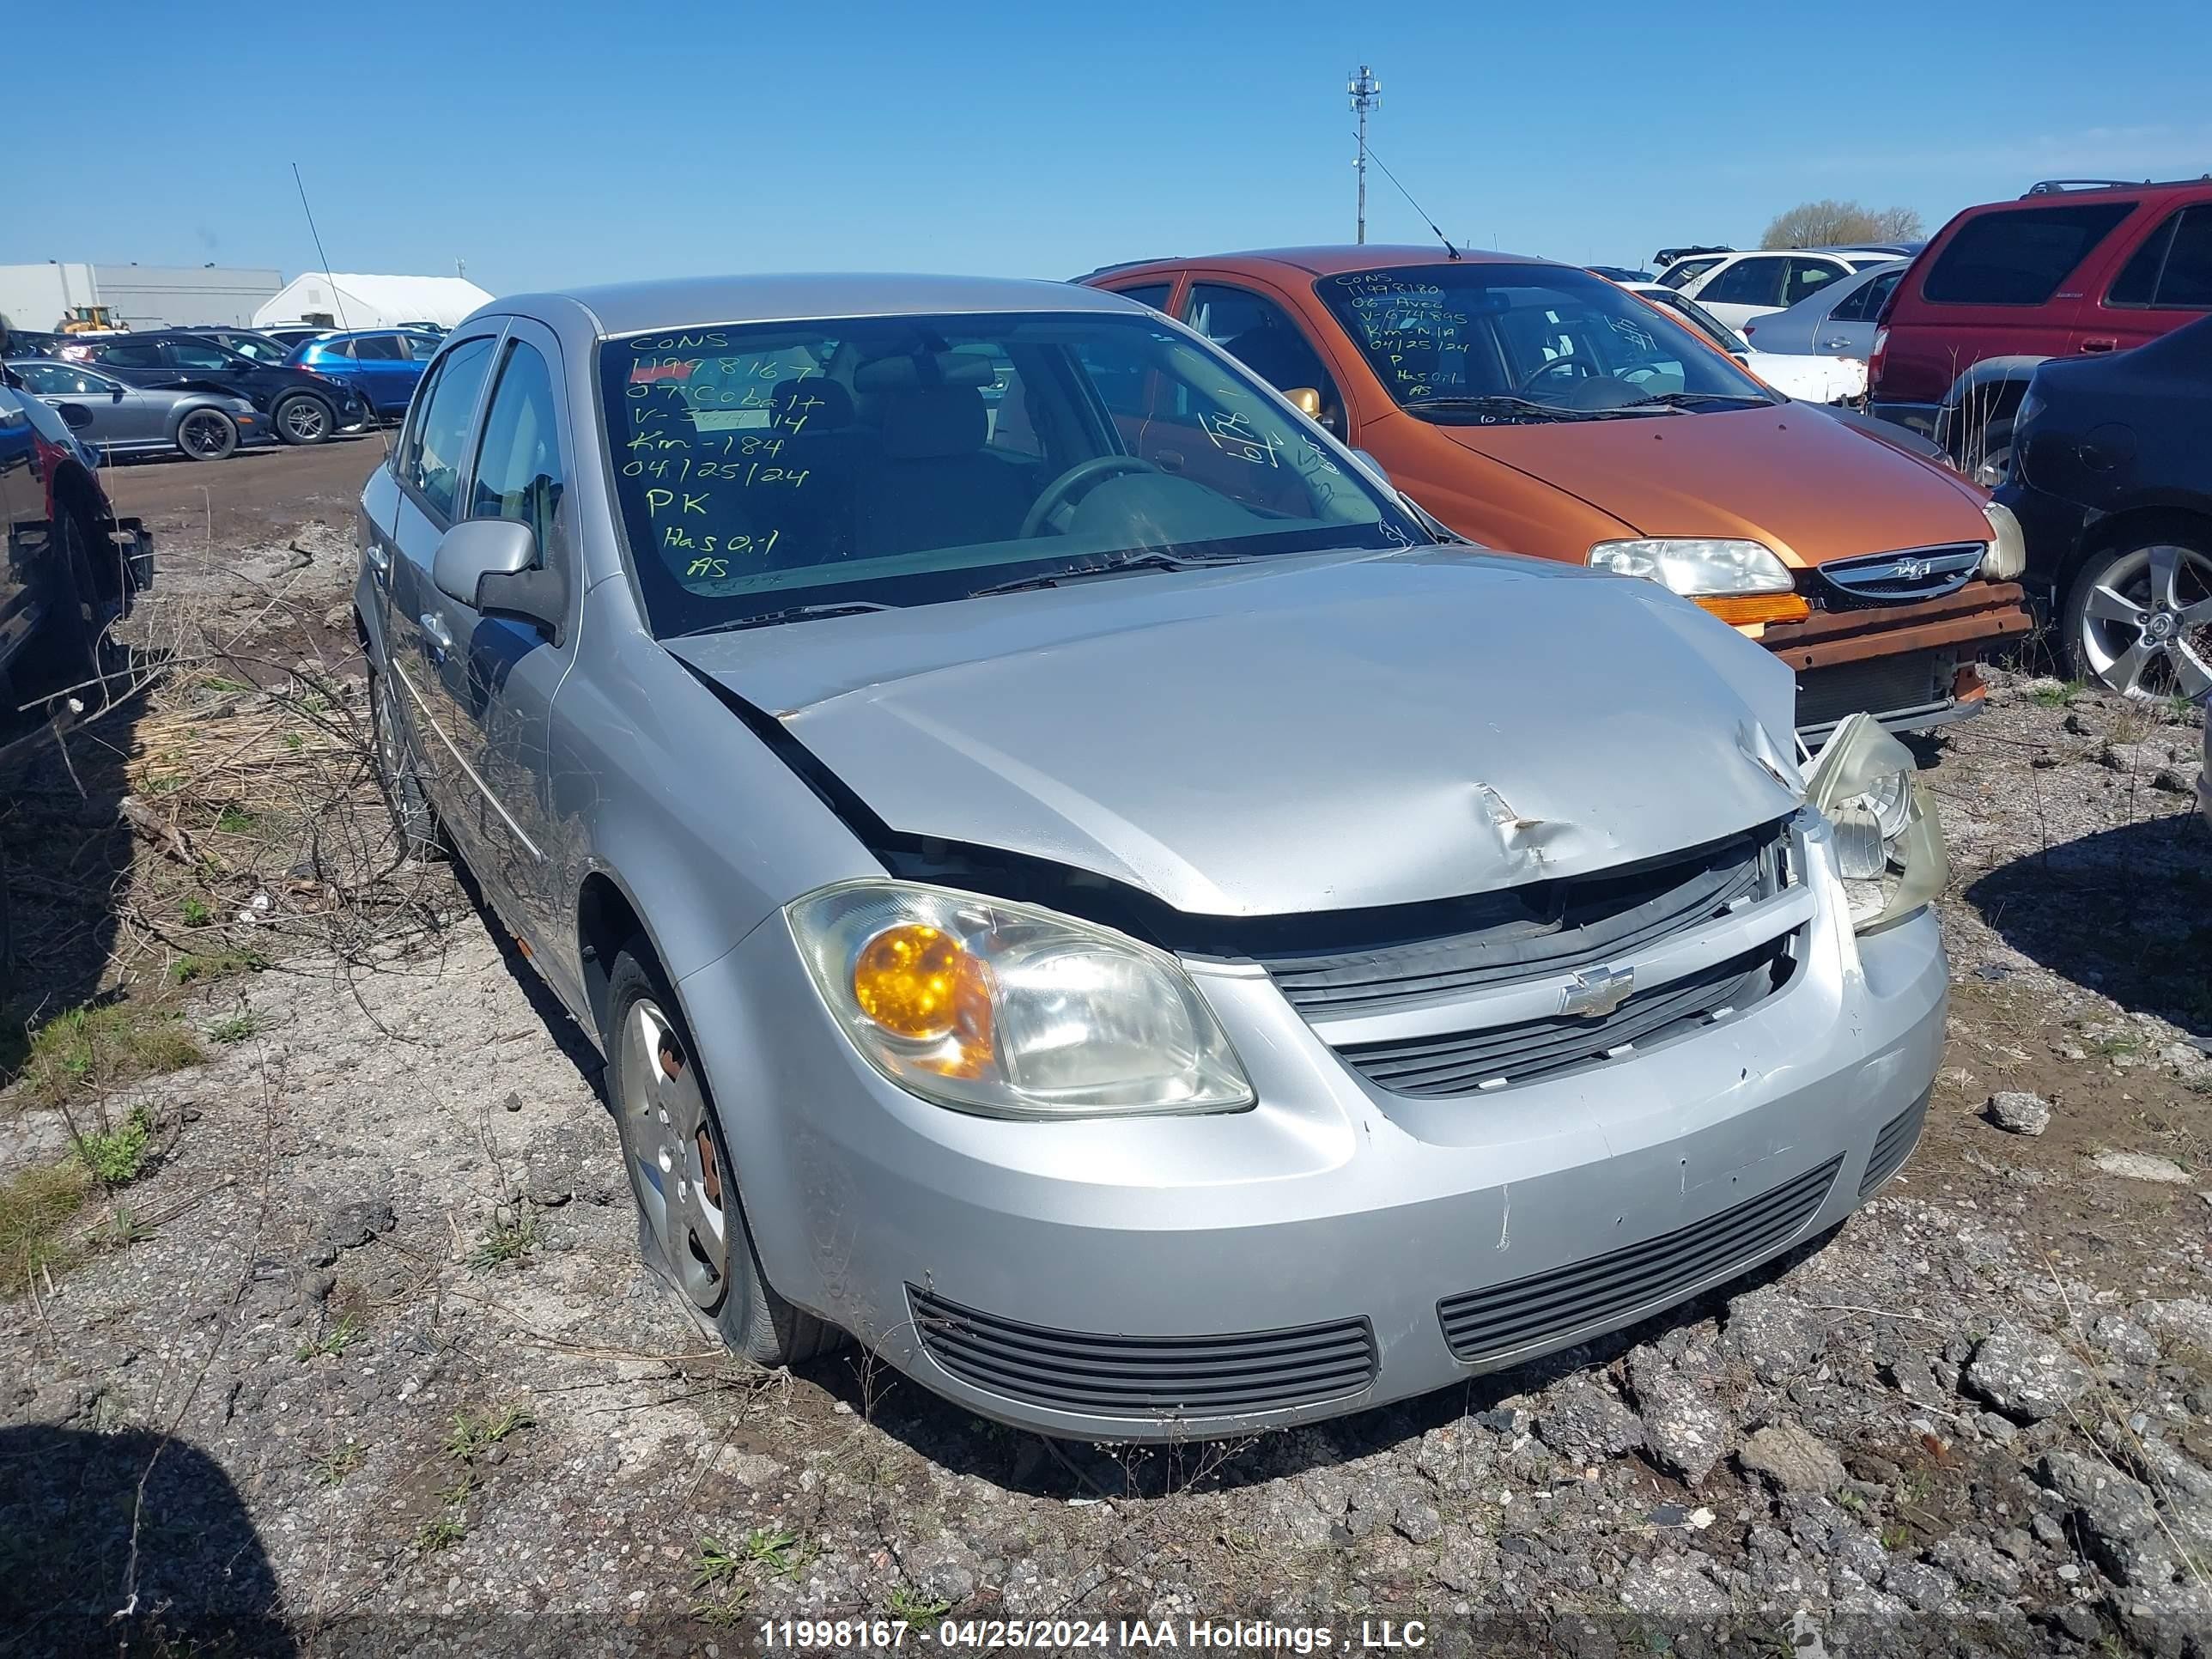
383,373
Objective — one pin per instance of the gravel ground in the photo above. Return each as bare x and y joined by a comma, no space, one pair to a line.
380,1372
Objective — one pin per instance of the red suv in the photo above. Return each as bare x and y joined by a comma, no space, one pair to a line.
2074,265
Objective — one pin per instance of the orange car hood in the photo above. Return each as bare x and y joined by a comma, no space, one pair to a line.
1810,488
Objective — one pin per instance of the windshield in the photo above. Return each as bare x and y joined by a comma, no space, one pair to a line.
764,469
1552,342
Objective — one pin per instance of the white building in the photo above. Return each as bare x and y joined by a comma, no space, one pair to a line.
34,298
349,300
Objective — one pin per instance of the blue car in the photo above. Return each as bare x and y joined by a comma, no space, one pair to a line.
381,364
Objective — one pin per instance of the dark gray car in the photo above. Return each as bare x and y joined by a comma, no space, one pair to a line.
1081,888
1835,321
121,419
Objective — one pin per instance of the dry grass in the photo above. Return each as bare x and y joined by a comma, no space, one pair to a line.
36,1207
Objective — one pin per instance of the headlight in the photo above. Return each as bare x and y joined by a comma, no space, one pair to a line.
1738,581
2007,554
1889,846
1692,566
1011,1010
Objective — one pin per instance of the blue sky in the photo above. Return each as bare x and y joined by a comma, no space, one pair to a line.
548,144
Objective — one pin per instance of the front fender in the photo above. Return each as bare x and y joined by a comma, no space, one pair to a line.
1990,371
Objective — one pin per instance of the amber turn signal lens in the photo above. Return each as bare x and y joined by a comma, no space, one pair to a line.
1756,607
908,980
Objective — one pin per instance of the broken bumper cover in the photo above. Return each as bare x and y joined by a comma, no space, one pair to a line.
1911,665
1336,1245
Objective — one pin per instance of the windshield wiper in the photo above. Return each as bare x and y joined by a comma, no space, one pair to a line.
1498,403
1105,568
790,613
1691,399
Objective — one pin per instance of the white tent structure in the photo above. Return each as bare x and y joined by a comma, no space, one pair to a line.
344,299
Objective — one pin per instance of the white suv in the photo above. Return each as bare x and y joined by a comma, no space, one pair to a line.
1738,286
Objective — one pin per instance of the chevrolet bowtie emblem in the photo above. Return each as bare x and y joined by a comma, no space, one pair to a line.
1598,991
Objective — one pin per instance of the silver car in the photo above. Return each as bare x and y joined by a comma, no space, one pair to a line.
1083,888
121,419
1835,321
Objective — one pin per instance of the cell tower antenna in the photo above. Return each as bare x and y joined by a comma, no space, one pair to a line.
1366,93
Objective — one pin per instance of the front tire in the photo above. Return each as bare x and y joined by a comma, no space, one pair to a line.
691,1224
207,434
2138,617
304,418
1988,456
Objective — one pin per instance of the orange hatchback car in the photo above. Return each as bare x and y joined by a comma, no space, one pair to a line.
1537,408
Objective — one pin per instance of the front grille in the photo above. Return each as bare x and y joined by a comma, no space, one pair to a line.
1876,685
1894,1145
1545,927
1461,1062
1146,1376
1916,573
1608,1289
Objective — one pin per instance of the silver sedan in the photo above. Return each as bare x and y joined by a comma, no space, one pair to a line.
1082,887
121,419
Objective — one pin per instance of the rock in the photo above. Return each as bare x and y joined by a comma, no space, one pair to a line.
2026,1374
2018,1113
2186,1320
1923,1588
943,1567
1779,1341
1970,1561
1417,1523
2045,689
1507,1420
1675,1589
2143,1166
356,1222
2115,1513
1685,1428
1668,1514
2122,1338
1791,1460
2136,759
1585,1424
514,1102
2173,781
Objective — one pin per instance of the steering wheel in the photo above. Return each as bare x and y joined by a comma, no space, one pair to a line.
1576,368
1056,505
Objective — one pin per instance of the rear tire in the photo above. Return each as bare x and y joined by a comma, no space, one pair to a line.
691,1223
1988,456
76,646
304,418
397,776
207,434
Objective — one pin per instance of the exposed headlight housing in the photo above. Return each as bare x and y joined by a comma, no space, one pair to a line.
1011,1010
2007,554
1889,844
1739,581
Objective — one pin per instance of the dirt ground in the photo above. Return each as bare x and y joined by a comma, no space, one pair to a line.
361,1358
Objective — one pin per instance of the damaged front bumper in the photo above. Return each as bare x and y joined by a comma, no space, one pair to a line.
1911,665
1341,1243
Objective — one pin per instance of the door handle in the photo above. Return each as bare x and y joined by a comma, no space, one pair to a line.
379,557
434,625
2103,343
1836,345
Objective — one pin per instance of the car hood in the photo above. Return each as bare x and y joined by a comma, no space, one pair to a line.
1810,487
1295,734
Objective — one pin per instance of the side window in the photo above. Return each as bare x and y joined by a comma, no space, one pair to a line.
1683,272
2018,256
432,460
377,349
328,349
520,473
145,355
57,380
2172,268
422,347
1863,304
1013,428
1154,294
1753,282
1260,335
190,353
1808,277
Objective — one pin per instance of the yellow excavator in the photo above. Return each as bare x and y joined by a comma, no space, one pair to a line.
91,319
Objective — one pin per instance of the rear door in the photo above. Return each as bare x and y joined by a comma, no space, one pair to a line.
384,372
2161,281
495,697
430,467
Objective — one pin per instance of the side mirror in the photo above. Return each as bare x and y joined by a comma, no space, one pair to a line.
1307,399
115,394
76,416
491,566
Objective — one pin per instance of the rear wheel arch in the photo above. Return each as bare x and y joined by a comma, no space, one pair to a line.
2137,527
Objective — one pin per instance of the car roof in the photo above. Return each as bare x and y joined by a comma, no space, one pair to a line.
1333,260
700,301
331,337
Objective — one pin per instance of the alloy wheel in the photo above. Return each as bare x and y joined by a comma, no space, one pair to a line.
204,436
2147,628
305,420
667,1135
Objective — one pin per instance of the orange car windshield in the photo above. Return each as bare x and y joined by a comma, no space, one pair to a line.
1528,342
